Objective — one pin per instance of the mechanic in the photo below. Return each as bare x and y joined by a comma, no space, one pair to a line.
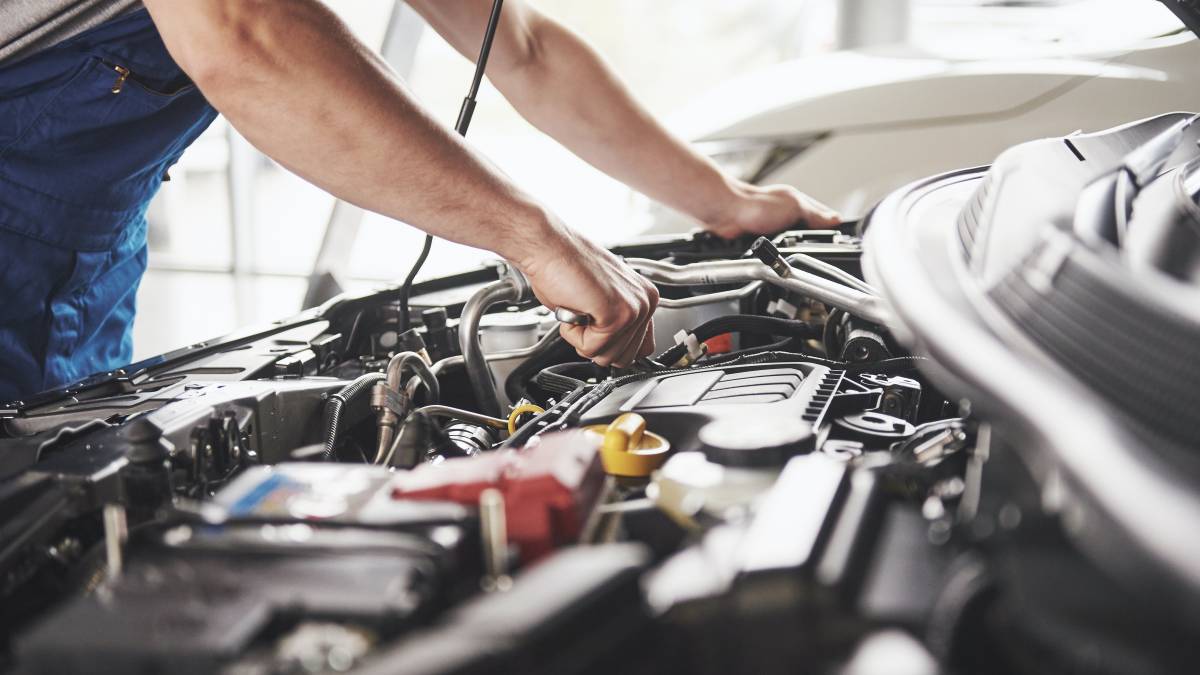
99,98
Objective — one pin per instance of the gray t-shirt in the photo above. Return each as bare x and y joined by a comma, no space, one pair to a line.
28,26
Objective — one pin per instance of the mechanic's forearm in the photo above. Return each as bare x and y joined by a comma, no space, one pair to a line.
569,92
293,80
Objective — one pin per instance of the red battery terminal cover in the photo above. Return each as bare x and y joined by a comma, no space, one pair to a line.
550,487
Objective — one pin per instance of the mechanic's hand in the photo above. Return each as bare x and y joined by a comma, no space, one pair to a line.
573,272
770,209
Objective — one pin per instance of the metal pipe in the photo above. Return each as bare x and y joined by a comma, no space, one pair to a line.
738,271
391,403
415,362
710,298
482,384
838,274
464,415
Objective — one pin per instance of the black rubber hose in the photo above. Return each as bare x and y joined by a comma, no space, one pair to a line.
555,379
829,334
742,323
338,401
546,353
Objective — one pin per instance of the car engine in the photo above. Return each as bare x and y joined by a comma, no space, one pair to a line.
803,479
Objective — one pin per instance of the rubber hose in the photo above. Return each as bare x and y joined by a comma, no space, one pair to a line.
829,333
338,401
546,352
478,371
555,383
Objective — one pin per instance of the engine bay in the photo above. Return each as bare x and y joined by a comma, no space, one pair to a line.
340,477
785,486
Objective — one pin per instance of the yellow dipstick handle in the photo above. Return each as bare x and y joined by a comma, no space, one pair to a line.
624,433
521,410
628,449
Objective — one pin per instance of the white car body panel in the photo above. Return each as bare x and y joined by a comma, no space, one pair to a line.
893,119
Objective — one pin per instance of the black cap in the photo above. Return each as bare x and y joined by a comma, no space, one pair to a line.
755,443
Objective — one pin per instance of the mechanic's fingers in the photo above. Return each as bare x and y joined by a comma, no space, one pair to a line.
618,338
647,347
619,348
633,342
636,332
573,335
630,353
590,341
819,216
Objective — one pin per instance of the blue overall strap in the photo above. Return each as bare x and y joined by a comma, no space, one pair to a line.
88,129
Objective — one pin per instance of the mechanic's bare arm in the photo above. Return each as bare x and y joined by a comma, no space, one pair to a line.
561,85
291,78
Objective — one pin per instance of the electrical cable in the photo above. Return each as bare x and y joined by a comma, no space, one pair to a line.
338,401
739,323
461,126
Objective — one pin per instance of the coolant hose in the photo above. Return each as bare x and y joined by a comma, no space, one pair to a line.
338,401
510,289
554,380
551,349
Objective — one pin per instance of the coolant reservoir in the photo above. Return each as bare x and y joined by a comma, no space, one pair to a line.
739,460
506,331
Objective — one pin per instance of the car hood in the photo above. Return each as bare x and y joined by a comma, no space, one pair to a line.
843,90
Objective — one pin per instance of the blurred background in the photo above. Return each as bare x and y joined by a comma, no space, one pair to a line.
236,240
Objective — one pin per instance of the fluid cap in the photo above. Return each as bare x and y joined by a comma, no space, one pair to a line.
755,443
628,449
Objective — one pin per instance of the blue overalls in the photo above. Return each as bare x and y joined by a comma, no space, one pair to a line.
88,129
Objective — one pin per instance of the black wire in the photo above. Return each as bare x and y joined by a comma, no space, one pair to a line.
464,122
406,289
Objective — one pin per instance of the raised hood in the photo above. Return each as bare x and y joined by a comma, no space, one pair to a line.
1188,12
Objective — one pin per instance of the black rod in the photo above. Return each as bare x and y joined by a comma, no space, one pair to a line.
461,126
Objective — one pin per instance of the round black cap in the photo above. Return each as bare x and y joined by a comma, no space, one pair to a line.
755,443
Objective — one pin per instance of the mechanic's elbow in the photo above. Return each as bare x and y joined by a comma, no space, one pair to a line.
528,58
239,39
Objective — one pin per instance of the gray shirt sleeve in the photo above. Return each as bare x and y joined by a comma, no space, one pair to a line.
28,26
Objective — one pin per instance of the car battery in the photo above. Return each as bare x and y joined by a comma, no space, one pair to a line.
349,497
198,598
550,487
276,550
331,494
